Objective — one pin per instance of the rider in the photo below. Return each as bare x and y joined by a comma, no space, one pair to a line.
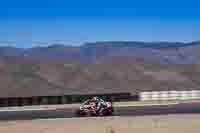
100,103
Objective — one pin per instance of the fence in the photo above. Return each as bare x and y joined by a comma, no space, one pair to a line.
169,95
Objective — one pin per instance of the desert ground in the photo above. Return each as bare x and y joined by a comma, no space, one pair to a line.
189,123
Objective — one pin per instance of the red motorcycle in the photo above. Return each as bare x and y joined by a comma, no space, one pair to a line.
89,109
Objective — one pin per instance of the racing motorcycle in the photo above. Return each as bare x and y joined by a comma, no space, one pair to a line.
89,109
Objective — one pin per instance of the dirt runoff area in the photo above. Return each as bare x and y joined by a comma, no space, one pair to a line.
141,124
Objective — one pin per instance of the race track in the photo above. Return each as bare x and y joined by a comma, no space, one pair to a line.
119,111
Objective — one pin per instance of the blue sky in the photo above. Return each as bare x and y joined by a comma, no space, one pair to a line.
27,23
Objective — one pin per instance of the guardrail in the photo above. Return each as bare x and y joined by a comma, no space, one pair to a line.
169,95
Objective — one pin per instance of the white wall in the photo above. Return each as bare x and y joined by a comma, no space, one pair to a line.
170,95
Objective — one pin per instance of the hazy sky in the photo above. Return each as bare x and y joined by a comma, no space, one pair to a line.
26,23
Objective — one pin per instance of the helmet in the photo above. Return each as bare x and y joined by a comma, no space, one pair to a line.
95,98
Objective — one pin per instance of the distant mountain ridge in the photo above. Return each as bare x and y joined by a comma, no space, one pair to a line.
152,52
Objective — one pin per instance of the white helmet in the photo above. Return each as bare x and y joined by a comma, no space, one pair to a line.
94,98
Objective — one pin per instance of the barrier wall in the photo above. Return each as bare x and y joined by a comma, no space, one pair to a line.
63,99
169,95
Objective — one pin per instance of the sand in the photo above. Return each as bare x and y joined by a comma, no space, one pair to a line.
142,124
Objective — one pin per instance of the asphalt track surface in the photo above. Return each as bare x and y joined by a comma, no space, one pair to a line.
182,108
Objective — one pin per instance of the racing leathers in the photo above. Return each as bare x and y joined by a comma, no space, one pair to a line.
100,104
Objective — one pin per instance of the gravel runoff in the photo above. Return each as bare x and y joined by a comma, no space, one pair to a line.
142,124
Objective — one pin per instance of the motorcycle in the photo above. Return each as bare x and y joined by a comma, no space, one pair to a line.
89,109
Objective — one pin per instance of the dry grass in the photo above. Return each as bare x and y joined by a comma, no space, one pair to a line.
146,124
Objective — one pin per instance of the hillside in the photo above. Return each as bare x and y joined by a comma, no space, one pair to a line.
22,77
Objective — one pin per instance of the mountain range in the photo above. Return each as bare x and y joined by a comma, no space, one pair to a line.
151,52
99,67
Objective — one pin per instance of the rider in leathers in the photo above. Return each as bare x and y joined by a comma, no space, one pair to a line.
100,103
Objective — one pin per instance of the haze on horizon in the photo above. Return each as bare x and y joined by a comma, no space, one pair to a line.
32,23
